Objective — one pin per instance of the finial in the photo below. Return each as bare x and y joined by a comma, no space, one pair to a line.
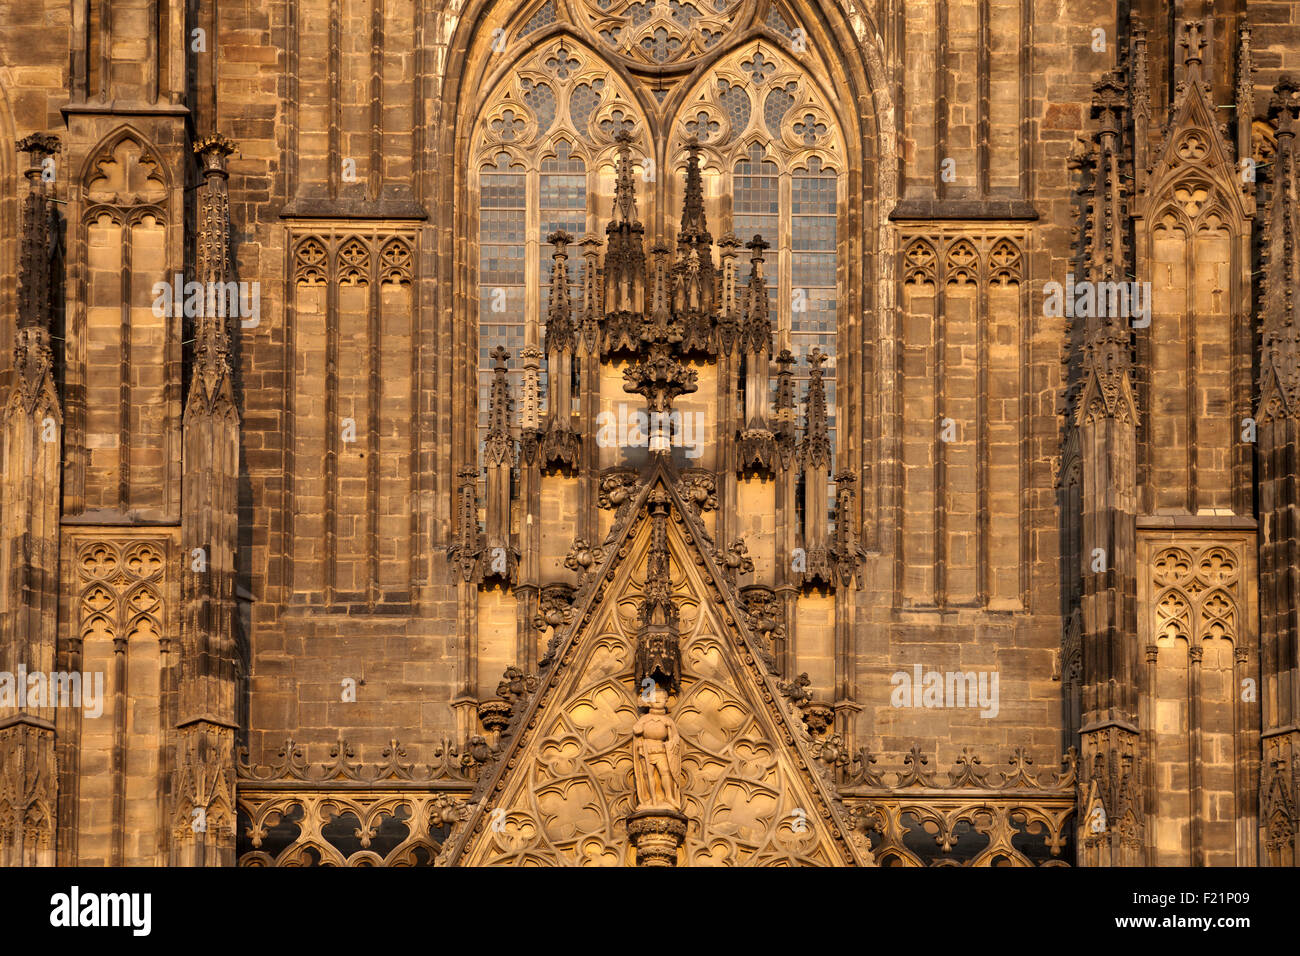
212,151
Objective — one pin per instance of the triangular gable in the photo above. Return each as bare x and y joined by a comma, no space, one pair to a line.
1193,149
562,789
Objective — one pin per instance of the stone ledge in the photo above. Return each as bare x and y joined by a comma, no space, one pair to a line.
322,208
997,210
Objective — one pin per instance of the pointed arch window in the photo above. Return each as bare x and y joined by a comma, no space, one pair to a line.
768,126
773,153
545,142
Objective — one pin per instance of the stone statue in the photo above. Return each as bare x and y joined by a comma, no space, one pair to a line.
656,757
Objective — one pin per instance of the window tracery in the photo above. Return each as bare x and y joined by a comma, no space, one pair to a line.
660,31
772,151
545,146
775,149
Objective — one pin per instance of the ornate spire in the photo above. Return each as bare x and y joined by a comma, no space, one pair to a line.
624,185
660,312
1245,89
464,553
815,453
1106,237
33,359
785,395
559,317
530,401
756,450
1107,387
625,268
34,257
1281,264
591,292
214,224
816,448
499,446
695,227
658,655
1280,359
694,277
756,328
1140,97
211,383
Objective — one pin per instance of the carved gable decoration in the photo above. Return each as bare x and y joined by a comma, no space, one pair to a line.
126,173
1195,170
564,787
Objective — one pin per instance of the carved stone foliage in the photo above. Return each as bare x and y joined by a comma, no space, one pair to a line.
583,557
766,616
516,686
735,560
616,487
967,772
699,488
554,607
569,800
371,828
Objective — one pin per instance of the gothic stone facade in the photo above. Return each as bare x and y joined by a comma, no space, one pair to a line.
716,432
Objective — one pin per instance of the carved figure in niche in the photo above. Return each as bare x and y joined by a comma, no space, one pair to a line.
656,756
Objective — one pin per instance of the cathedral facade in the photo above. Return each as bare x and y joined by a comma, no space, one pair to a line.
650,433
